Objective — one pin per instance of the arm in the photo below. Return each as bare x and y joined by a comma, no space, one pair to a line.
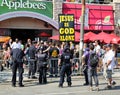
46,49
109,59
108,62
83,60
59,61
83,57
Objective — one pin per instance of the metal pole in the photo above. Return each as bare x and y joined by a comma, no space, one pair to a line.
82,34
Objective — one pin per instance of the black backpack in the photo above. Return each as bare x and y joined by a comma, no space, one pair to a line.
94,60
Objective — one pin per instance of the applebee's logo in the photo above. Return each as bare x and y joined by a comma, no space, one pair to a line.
105,22
23,4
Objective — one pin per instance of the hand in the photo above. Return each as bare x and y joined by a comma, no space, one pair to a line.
107,65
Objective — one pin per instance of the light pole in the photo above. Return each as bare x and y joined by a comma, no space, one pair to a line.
82,34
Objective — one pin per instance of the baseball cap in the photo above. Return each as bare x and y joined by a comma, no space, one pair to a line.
108,45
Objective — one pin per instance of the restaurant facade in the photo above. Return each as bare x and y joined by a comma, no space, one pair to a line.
25,19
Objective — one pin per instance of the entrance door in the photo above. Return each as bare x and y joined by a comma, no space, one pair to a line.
23,34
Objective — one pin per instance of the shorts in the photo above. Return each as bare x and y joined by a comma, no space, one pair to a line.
109,74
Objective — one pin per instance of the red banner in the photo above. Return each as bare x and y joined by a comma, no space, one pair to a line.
100,17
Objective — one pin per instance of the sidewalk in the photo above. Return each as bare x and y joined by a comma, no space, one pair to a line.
51,88
7,74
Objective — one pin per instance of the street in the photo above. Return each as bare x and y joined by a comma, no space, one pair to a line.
32,87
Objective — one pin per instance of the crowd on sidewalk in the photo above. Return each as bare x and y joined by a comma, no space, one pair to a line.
60,58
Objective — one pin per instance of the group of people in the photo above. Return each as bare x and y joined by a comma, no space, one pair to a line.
43,55
104,57
38,56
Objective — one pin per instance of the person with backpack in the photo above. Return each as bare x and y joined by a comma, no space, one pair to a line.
92,68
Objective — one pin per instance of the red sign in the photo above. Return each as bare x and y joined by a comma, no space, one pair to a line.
100,17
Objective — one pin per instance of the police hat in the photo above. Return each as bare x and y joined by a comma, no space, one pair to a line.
66,49
34,42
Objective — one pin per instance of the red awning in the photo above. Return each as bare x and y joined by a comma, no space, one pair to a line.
105,37
44,34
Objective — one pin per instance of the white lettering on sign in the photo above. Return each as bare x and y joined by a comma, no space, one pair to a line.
21,4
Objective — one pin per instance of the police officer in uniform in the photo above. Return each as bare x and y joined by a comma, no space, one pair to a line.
17,58
32,60
42,66
66,67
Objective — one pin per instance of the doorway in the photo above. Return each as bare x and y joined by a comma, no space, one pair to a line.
23,34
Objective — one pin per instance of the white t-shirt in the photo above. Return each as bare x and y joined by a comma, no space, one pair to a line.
97,49
16,45
110,55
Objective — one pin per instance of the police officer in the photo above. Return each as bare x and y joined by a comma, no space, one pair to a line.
42,66
17,57
66,67
32,60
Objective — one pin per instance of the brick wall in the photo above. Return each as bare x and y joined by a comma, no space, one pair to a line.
57,9
117,11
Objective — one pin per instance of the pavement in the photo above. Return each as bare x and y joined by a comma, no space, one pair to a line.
32,87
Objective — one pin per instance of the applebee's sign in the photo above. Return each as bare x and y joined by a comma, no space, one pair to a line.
23,4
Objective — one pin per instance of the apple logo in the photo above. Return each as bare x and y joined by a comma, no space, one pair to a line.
105,24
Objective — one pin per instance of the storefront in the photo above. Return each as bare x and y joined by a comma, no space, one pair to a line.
29,18
25,19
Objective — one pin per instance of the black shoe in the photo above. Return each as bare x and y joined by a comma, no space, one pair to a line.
60,85
50,75
13,85
85,84
108,87
21,85
69,84
113,83
44,82
28,77
56,75
40,83
33,77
